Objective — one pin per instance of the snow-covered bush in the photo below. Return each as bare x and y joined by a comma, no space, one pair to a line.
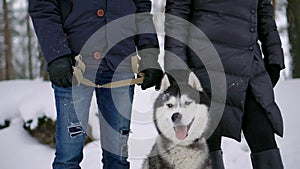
31,102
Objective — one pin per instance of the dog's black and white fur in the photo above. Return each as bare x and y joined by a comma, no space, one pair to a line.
181,121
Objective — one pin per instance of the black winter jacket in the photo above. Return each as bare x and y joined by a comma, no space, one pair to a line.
238,30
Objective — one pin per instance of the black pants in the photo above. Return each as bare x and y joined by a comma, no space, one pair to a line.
256,127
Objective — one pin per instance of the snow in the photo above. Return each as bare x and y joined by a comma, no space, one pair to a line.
22,100
282,24
18,96
20,150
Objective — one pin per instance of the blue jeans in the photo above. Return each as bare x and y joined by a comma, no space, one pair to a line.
73,105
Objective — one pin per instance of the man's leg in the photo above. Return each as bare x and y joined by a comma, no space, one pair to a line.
72,107
115,112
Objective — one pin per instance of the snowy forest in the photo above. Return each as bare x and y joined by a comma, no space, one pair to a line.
27,111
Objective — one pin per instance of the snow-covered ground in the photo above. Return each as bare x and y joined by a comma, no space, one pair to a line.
24,99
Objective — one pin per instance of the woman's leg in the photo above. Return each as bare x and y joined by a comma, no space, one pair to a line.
260,137
215,151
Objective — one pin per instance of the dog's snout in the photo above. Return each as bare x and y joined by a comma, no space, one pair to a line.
176,117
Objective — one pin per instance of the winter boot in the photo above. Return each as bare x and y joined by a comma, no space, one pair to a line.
269,159
217,159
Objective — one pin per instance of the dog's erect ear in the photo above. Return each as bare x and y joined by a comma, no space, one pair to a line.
165,83
194,82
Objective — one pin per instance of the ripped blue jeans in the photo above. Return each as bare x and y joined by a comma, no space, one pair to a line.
73,105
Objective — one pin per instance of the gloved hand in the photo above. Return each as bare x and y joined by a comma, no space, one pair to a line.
274,73
152,77
61,71
178,76
149,65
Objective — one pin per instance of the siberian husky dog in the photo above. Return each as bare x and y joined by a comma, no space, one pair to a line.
181,119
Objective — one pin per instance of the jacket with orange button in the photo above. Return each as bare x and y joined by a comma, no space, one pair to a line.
64,26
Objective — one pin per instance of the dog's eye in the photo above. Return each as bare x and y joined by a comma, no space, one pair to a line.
187,103
169,105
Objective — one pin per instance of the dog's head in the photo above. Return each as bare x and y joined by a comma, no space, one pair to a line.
180,113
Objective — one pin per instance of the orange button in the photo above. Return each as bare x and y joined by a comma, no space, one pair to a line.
97,55
100,12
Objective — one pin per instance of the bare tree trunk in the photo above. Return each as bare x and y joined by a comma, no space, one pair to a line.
1,68
43,71
293,13
29,47
274,4
9,70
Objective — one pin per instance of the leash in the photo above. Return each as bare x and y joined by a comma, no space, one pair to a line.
79,70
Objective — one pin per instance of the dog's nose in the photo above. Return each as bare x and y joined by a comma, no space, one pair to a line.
176,117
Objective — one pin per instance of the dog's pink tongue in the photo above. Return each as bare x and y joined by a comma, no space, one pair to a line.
181,132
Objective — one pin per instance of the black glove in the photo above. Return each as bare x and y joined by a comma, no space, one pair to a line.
152,77
149,65
274,73
178,76
61,71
